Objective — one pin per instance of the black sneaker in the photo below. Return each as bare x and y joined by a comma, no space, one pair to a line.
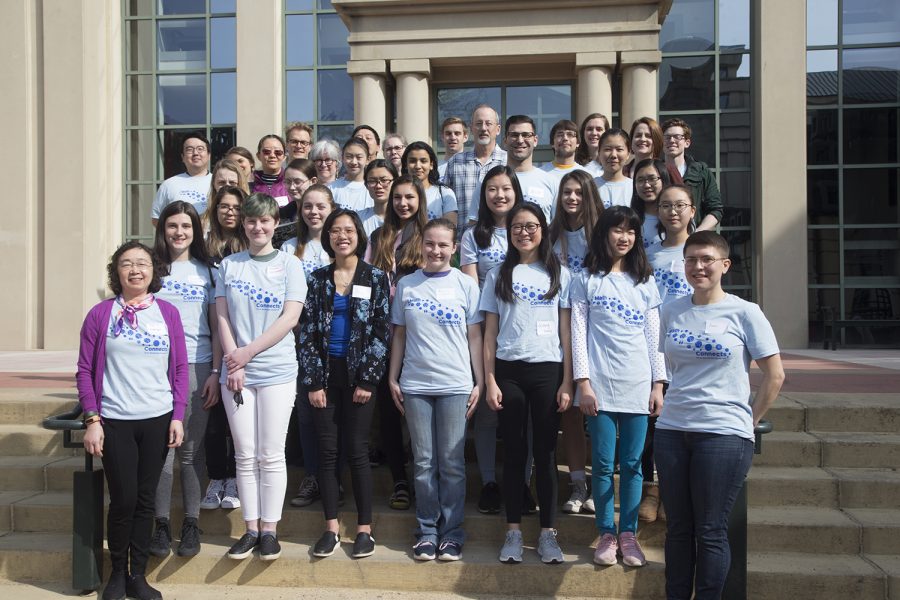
326,544
161,543
363,545
424,550
529,506
115,587
308,492
138,588
244,546
450,551
489,500
269,548
189,545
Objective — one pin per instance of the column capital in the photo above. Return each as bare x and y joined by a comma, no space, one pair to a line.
367,67
640,57
595,59
411,65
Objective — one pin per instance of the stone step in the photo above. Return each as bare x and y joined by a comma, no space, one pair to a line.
868,488
21,406
29,472
789,449
45,557
880,529
856,449
848,412
792,486
32,440
803,529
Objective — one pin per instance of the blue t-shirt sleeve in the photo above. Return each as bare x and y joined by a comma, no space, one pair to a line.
651,293
220,280
295,284
473,298
565,284
468,252
577,289
448,200
398,317
488,301
759,338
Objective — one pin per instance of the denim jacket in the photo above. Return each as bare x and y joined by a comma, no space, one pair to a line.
368,347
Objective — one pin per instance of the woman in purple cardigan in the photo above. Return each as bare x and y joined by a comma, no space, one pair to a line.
132,384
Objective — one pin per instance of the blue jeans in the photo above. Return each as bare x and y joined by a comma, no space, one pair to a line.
700,475
437,431
632,431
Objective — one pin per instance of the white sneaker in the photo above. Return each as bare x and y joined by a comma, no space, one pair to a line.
588,506
230,497
213,498
579,494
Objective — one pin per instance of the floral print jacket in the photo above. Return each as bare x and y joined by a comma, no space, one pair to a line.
369,313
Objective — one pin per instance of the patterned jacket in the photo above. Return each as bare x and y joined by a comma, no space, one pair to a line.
368,347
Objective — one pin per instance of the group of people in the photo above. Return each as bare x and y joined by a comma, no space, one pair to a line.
587,290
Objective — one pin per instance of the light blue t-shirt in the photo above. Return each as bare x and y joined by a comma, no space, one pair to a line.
370,220
529,326
436,311
485,259
617,346
594,168
539,187
668,271
314,256
189,287
256,291
708,351
557,173
136,377
351,195
442,170
440,199
576,250
649,231
615,193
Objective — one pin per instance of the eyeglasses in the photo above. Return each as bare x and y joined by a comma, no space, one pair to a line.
227,208
382,181
674,136
141,265
703,261
394,148
324,161
527,227
677,208
565,135
347,231
483,124
301,143
194,149
298,182
652,180
525,135
270,152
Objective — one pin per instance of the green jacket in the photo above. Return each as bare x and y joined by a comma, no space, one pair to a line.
703,186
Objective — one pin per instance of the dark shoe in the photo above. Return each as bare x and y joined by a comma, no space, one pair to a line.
326,544
308,492
489,500
450,551
161,543
424,550
115,587
363,545
190,538
400,498
529,506
138,588
269,548
244,546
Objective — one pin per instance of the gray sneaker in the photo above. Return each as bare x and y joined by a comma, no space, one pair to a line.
511,552
548,548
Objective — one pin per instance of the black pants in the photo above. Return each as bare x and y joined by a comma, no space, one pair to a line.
343,424
529,391
390,429
218,445
133,457
647,456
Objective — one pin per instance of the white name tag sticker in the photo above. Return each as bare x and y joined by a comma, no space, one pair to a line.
545,328
275,270
363,292
536,192
158,329
445,293
716,326
282,200
677,266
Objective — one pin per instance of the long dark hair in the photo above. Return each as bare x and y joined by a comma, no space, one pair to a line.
197,249
219,242
599,257
637,204
433,176
484,225
546,256
408,257
589,213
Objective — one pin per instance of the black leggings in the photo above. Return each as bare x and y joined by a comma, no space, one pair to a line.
529,389
390,429
133,457
218,445
345,424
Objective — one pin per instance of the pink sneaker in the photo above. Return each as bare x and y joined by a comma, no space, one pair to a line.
632,555
605,554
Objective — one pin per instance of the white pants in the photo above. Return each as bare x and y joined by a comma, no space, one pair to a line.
259,427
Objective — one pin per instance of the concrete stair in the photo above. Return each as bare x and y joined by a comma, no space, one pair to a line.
824,520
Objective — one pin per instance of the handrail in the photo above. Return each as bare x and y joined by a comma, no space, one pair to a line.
67,421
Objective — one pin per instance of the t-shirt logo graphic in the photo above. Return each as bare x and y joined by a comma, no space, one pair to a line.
631,316
675,284
532,295
492,254
703,345
442,314
263,299
575,263
153,344
187,291
192,196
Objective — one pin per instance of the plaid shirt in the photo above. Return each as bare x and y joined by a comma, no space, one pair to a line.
464,175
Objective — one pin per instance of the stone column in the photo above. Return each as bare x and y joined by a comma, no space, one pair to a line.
640,95
413,98
594,84
260,71
779,196
369,93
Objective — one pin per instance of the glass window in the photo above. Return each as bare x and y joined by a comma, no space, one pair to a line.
335,90
822,302
734,25
142,159
741,242
687,83
221,139
821,77
459,102
824,251
734,140
181,44
822,203
689,26
821,22
734,81
870,196
223,54
298,5
325,5
140,45
871,75
736,195
182,7
871,303
338,133
872,256
140,8
822,136
300,95
333,47
871,21
182,99
139,203
299,40
139,100
870,135
703,136
222,6
545,104
223,97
